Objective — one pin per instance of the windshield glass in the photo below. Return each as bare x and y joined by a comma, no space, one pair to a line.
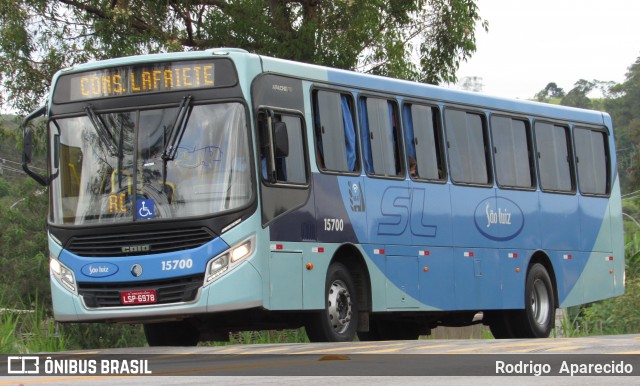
112,169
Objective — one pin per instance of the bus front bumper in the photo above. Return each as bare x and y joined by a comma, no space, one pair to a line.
237,290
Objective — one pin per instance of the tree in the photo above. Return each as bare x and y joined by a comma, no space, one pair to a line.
374,36
550,91
624,107
577,97
472,83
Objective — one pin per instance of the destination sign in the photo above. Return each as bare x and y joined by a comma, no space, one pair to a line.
144,79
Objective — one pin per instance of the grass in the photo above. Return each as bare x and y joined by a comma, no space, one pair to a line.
28,331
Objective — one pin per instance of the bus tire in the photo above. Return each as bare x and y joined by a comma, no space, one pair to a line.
180,333
538,317
338,322
500,324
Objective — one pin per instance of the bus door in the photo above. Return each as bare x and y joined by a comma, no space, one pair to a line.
287,206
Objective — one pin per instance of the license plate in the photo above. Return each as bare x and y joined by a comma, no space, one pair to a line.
138,297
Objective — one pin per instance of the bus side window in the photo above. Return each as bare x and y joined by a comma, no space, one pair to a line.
423,141
512,148
290,167
468,145
592,161
381,137
552,146
335,131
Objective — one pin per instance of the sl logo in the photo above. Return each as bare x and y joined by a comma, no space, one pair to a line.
356,198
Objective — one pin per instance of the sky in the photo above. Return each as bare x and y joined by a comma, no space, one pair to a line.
533,42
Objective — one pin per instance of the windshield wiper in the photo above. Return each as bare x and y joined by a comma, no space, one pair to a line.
103,133
177,130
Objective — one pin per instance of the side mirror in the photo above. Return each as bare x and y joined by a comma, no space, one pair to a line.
281,140
27,146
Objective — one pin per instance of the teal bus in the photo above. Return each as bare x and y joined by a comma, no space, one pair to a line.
200,193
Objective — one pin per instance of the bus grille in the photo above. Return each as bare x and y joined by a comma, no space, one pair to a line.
139,243
173,290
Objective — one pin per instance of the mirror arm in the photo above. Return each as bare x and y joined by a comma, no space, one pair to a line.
27,146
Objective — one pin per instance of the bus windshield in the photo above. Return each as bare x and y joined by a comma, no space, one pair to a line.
113,168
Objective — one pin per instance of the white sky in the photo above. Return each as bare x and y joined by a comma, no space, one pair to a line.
533,42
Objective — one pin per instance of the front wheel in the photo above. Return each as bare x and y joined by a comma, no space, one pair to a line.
338,321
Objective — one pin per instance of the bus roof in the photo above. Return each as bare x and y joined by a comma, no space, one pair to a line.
366,82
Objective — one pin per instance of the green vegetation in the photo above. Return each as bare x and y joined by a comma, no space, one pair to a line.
28,331
375,36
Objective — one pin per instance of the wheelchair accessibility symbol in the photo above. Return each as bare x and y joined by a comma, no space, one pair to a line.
145,208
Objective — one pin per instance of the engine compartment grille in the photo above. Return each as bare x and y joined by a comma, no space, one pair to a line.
139,243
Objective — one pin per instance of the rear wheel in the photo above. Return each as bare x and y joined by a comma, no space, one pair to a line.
180,333
338,321
538,317
539,314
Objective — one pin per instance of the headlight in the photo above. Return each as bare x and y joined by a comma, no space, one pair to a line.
217,267
63,274
226,261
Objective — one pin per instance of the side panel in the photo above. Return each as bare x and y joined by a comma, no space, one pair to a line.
402,271
477,276
559,221
437,281
286,281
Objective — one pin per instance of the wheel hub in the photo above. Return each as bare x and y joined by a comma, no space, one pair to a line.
540,302
339,306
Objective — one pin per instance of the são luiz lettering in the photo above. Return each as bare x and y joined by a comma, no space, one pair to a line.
567,368
102,84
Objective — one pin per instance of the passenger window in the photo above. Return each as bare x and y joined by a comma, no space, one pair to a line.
423,140
335,132
381,137
552,145
511,147
592,161
467,143
286,143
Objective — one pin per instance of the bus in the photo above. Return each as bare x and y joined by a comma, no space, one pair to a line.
201,193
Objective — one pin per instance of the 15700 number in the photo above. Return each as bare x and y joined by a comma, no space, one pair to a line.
170,265
333,224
